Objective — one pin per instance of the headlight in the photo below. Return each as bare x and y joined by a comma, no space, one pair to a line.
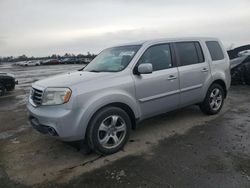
55,96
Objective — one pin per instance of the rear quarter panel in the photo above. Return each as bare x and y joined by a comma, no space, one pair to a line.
220,70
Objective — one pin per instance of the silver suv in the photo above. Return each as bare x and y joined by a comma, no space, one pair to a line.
128,83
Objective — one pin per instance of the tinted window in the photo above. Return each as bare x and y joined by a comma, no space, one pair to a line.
189,53
215,50
159,56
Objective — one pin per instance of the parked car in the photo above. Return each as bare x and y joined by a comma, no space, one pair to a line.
44,62
244,53
50,62
86,60
20,63
7,82
75,60
240,70
69,61
31,63
129,83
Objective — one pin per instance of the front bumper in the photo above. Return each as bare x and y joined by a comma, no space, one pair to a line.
56,121
42,128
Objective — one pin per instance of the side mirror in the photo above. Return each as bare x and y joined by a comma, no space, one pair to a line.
145,68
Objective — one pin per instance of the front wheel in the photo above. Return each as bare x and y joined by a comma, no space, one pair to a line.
214,100
108,130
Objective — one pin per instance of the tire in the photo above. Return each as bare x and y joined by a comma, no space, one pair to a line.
214,101
102,128
2,89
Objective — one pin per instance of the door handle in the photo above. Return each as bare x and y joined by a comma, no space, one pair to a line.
204,70
171,77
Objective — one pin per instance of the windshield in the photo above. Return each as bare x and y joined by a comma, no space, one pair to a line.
113,59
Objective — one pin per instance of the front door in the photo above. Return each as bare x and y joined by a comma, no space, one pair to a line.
158,92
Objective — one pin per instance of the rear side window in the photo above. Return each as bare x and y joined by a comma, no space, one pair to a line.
189,53
215,50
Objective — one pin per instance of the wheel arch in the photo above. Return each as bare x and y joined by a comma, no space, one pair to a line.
89,104
127,109
121,105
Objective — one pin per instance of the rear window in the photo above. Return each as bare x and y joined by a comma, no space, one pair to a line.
215,50
189,53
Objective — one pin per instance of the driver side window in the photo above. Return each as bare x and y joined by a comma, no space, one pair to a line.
159,56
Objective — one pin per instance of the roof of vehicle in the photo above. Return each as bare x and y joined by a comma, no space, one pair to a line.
167,40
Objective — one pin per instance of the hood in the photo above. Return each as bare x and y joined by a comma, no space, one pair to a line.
71,78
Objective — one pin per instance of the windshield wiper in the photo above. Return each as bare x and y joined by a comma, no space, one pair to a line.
81,69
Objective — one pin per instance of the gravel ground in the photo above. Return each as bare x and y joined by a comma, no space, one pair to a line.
183,148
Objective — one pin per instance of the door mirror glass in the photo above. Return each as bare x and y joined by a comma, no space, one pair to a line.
145,68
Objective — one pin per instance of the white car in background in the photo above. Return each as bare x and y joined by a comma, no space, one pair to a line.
31,63
20,63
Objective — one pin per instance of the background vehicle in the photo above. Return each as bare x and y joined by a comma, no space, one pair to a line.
7,83
68,61
86,60
50,62
31,63
75,61
244,53
126,84
20,63
240,70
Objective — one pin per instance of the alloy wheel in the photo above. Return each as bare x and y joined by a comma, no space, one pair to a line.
112,131
215,99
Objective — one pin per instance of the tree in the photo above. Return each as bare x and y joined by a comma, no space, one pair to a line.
54,56
22,58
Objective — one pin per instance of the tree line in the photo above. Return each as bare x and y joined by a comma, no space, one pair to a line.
53,56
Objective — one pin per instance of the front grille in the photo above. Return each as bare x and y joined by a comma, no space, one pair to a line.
36,96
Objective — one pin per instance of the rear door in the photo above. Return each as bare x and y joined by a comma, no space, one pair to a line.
158,92
194,71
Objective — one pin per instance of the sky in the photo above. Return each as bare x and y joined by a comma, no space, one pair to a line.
45,27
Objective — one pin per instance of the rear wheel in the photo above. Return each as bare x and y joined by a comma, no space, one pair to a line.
108,130
214,100
2,89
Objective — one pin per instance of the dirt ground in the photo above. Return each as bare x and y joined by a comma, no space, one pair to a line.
184,148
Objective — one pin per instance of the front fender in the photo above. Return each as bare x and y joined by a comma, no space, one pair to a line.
96,102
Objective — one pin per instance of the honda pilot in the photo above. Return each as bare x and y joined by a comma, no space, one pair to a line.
125,84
